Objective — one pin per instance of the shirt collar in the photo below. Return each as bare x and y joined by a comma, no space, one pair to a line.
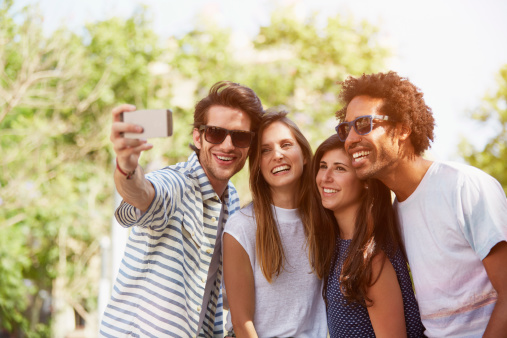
197,172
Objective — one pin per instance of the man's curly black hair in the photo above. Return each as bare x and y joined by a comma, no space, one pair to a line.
402,101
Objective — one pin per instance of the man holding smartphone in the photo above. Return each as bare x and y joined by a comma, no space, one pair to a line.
169,280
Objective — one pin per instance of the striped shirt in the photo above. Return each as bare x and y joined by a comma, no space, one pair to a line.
160,286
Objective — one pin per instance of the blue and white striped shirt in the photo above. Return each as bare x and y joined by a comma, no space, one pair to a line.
160,286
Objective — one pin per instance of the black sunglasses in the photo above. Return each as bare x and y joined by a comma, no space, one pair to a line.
363,125
217,135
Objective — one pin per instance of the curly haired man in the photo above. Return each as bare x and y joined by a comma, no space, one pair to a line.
453,217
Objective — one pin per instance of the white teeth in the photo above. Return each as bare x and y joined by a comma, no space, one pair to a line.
280,168
330,191
223,158
360,154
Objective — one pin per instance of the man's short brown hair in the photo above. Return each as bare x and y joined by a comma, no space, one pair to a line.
232,95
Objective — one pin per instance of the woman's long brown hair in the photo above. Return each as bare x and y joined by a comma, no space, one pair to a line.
268,245
376,230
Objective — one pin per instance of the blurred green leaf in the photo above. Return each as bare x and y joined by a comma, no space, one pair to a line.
491,114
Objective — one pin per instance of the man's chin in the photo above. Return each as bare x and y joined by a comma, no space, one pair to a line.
225,174
363,172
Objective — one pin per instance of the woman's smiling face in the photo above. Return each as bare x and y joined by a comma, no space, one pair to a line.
338,184
282,159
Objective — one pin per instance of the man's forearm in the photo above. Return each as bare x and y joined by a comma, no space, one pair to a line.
136,191
494,263
497,326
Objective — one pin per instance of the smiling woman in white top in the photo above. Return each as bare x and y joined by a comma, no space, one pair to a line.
272,289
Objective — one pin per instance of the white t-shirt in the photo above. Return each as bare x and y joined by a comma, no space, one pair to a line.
449,225
292,305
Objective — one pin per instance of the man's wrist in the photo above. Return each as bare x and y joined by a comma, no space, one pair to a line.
128,174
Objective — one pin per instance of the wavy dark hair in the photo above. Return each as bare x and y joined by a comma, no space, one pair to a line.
268,245
376,230
232,95
402,101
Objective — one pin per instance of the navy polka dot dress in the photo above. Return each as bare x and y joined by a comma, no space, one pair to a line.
353,320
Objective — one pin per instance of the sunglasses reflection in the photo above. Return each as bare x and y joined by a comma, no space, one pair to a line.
217,135
363,125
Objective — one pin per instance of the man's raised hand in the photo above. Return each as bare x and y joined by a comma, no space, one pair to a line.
127,150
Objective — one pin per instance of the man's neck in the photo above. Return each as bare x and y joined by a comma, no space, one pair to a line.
405,177
219,187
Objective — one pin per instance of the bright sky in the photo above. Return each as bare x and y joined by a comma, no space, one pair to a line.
451,49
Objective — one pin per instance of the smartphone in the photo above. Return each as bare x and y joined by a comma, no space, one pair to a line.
155,122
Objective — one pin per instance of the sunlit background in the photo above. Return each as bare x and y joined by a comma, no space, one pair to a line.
451,49
67,63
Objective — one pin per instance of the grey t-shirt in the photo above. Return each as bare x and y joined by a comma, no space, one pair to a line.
292,305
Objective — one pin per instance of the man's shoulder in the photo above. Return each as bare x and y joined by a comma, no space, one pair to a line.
188,167
460,172
458,167
455,181
184,169
233,192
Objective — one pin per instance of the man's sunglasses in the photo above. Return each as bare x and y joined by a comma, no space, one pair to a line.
217,135
363,125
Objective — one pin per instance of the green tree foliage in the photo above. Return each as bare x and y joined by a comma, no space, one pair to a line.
492,113
56,93
304,60
292,64
56,190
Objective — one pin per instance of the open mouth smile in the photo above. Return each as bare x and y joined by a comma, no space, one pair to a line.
329,190
223,158
280,169
360,155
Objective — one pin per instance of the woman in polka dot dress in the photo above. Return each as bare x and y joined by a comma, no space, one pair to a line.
368,291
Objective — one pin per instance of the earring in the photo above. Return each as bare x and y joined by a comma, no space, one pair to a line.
366,186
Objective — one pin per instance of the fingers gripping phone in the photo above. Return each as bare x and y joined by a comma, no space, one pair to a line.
155,122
